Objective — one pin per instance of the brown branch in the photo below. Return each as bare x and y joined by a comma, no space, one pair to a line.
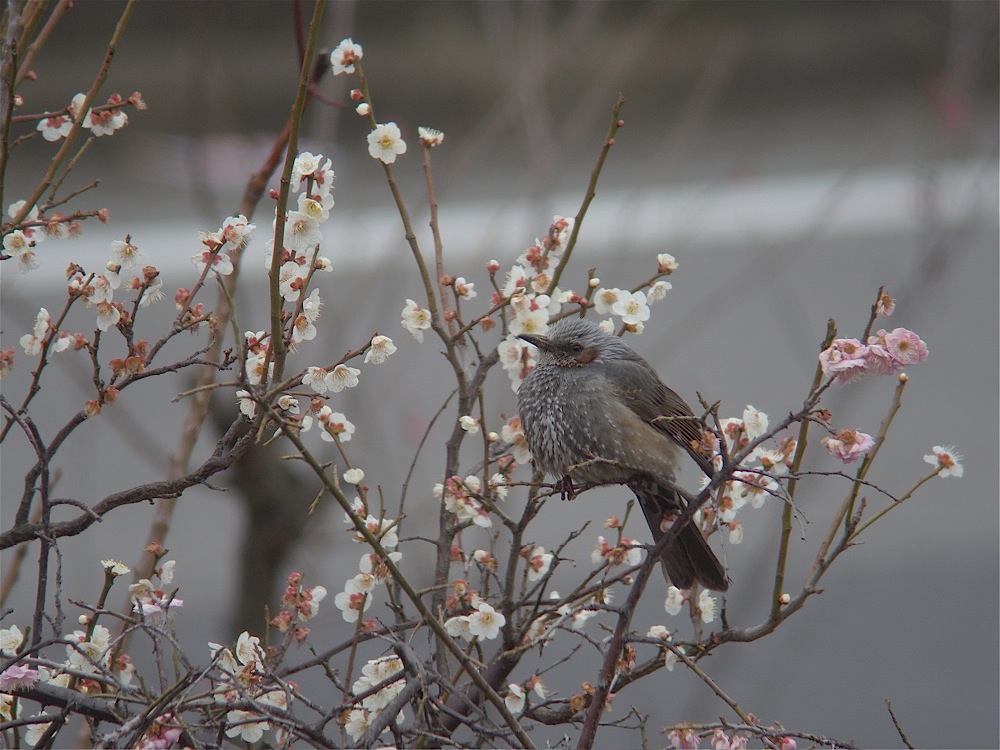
225,454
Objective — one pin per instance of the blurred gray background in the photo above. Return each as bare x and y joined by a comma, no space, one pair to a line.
792,156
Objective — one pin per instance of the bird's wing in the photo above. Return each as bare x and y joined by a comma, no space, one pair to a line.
643,392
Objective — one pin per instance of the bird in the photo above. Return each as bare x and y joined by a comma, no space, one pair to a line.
595,412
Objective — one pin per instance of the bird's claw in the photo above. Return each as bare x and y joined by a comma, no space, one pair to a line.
566,489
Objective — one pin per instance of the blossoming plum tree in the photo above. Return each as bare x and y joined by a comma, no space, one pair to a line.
484,675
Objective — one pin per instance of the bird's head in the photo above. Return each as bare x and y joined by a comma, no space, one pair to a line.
574,342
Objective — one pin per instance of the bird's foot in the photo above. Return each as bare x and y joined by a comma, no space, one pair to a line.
566,489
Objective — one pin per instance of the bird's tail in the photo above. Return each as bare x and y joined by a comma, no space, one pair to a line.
688,558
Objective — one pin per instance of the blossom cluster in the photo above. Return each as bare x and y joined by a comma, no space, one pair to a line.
483,621
886,353
245,668
22,242
758,477
531,304
462,497
375,672
97,290
312,179
91,665
359,590
518,693
105,121
94,666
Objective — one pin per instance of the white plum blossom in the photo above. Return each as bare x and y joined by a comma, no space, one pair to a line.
312,305
302,232
463,288
102,287
341,377
754,487
485,622
539,563
512,433
605,299
517,357
658,631
33,733
380,350
707,605
32,342
89,655
357,723
244,725
115,568
458,627
459,497
219,262
580,618
670,659
631,307
528,317
304,165
666,263
498,483
154,604
416,319
125,254
385,142
166,571
383,529
16,207
255,366
152,294
354,476
318,210
517,281
352,601
334,425
54,128
236,232
342,58
373,565
515,698
108,315
754,422
559,234
469,424
247,405
674,600
375,672
19,246
430,137
248,650
315,378
107,121
10,640
303,330
291,278
947,460
735,532
658,290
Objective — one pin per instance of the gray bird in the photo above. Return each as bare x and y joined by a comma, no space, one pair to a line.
594,411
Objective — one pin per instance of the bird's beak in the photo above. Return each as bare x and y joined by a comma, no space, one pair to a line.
542,342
